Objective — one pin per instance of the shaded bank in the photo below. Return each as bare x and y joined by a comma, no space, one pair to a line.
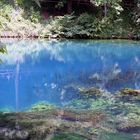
27,21
17,36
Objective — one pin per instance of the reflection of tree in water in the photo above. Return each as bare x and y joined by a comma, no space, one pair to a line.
112,80
87,63
2,49
124,78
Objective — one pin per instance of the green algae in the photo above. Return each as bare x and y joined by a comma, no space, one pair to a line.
90,92
87,117
115,136
41,106
68,136
41,124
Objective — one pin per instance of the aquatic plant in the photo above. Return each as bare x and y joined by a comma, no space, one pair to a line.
68,136
90,92
41,106
99,104
40,125
115,136
128,95
91,104
78,104
6,110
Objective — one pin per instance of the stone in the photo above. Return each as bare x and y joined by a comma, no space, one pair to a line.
89,92
129,91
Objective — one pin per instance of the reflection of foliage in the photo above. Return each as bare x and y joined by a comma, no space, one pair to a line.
2,50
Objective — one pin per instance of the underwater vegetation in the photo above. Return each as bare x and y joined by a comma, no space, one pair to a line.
57,91
85,118
41,106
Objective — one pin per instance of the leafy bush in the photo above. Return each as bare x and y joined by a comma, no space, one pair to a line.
33,15
85,26
28,21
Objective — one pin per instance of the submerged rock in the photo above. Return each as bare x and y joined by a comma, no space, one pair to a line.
90,92
129,91
41,125
129,123
13,134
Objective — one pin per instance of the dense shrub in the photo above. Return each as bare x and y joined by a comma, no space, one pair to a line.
27,21
86,26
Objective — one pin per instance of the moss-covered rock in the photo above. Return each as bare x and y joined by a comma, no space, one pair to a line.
42,124
129,123
41,106
90,92
129,91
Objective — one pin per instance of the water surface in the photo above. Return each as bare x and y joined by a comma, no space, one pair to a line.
53,71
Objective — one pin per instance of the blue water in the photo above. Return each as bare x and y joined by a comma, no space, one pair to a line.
51,71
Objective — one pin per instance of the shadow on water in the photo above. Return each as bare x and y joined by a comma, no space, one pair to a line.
90,89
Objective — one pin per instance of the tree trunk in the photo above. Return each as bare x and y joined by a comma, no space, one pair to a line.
69,8
105,9
15,4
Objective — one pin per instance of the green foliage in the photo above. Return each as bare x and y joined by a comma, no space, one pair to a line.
25,20
113,6
28,17
69,26
60,4
31,10
136,15
86,26
32,15
4,12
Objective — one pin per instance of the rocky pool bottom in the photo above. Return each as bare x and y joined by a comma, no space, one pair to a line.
94,115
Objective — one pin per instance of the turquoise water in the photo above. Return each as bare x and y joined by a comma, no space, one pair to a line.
88,90
52,71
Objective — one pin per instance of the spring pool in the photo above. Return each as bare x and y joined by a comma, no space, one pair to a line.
74,74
